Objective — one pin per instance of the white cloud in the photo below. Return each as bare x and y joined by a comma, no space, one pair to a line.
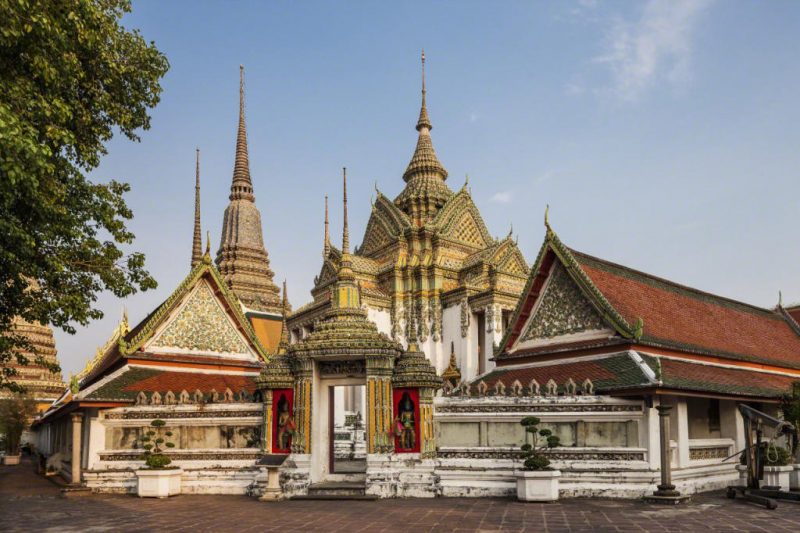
502,197
657,46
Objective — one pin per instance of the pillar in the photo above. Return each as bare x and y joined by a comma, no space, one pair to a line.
665,488
428,444
301,443
379,404
77,433
266,434
682,433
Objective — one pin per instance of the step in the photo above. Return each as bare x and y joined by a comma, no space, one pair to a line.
337,490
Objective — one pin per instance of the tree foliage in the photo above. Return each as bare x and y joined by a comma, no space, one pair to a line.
72,75
16,414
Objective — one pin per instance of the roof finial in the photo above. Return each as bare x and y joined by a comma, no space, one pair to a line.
283,344
546,221
242,186
207,256
327,244
345,228
780,299
424,123
197,240
510,231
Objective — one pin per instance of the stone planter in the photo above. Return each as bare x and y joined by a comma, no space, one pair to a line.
742,469
794,477
537,485
777,476
159,483
11,459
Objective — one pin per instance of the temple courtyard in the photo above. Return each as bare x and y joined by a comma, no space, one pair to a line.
29,502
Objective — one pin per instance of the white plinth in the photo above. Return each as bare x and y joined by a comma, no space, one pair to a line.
159,483
537,485
794,477
777,476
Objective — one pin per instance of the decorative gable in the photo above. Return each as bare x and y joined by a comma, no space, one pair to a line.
375,238
200,324
467,230
562,310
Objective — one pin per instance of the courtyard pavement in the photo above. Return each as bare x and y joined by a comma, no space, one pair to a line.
29,502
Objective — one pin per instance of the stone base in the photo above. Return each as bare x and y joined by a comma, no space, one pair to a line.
667,500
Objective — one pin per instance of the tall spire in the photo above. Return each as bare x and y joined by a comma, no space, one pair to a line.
426,190
242,258
327,244
241,186
345,227
424,121
197,242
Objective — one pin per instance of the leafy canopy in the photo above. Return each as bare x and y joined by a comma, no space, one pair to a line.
72,75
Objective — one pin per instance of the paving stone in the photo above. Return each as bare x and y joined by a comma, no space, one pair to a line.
29,502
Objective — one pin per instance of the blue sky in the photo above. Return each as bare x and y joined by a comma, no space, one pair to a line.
663,134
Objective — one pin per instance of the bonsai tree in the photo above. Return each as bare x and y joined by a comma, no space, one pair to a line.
16,414
532,452
154,440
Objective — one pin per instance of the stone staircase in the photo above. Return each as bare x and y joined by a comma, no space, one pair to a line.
337,490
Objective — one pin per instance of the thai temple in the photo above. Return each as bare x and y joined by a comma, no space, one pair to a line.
422,348
40,383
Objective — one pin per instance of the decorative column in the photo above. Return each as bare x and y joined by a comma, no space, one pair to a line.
302,406
77,433
666,492
379,404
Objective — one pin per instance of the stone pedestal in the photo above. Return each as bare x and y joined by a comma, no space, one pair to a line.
273,491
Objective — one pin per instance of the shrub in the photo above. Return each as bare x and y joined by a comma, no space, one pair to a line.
153,442
771,455
533,459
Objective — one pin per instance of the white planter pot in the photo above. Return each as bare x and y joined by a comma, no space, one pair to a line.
11,459
537,485
794,477
777,476
159,483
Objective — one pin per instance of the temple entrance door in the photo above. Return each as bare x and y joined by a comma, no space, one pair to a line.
347,423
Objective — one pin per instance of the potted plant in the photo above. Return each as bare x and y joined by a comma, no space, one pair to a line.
536,480
15,416
158,479
790,406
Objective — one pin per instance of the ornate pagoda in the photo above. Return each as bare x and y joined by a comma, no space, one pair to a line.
39,382
430,273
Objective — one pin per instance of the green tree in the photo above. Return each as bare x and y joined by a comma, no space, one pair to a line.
16,414
72,75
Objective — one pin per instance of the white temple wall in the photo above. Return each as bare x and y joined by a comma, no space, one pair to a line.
451,333
609,446
382,319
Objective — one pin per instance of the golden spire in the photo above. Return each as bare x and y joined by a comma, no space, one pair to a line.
197,242
452,372
207,255
345,228
327,244
345,265
242,186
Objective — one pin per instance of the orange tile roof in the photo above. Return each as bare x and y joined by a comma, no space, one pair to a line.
689,319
